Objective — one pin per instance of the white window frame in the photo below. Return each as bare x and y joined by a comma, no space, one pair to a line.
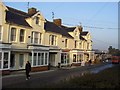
2,52
40,59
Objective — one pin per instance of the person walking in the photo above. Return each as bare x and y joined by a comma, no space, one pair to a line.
28,69
90,62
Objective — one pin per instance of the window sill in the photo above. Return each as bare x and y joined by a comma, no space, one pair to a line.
13,42
22,42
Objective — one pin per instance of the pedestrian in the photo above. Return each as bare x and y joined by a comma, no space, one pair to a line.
90,62
28,69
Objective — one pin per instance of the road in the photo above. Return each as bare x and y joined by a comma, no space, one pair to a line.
39,80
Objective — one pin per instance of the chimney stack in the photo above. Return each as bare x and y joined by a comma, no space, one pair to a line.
32,11
58,22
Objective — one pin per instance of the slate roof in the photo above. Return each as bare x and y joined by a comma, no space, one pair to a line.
68,29
18,17
84,33
81,38
52,27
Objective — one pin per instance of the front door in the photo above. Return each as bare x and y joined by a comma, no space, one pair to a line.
52,59
12,61
21,61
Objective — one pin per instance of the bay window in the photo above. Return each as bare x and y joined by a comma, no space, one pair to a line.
36,37
4,59
40,58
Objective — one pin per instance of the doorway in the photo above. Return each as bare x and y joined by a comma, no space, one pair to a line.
12,61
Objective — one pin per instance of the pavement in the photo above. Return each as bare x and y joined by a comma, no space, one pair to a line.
40,79
22,72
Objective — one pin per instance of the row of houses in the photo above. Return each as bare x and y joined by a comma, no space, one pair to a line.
28,36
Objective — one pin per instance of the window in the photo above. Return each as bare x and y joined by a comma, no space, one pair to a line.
75,44
74,57
42,59
21,60
0,32
64,58
32,37
36,37
40,40
5,60
0,60
39,58
52,40
46,58
13,34
66,42
37,20
35,59
88,46
80,57
22,32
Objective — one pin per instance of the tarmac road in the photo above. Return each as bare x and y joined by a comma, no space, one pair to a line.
40,79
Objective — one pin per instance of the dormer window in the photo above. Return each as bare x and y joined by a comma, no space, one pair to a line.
37,20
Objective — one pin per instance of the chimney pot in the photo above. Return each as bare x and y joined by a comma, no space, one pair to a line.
58,22
32,11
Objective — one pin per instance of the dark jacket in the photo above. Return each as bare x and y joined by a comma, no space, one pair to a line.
28,67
